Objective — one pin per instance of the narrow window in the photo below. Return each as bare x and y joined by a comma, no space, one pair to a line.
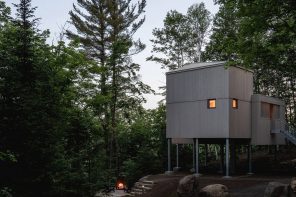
234,103
212,103
265,110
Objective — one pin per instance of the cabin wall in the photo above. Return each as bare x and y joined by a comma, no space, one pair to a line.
188,115
262,126
240,88
182,141
195,120
196,85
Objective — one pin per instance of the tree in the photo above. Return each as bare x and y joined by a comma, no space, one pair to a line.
143,144
182,38
170,41
223,40
4,13
47,137
259,35
199,20
105,31
79,170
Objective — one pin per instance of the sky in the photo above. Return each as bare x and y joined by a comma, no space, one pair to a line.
54,15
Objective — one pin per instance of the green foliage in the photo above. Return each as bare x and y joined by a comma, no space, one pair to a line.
5,192
182,38
4,13
143,145
70,115
7,156
105,34
50,142
223,40
259,35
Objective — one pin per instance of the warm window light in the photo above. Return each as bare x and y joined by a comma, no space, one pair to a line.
234,103
212,103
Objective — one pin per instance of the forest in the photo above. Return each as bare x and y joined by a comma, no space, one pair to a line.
71,113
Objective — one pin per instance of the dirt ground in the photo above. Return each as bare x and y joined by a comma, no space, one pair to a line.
268,167
239,186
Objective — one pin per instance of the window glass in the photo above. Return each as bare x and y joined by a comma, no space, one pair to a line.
270,111
265,110
234,103
275,112
212,103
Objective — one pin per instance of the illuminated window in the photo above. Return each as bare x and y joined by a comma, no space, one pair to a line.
212,103
234,103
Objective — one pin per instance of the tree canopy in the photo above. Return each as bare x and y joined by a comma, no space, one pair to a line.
182,38
259,35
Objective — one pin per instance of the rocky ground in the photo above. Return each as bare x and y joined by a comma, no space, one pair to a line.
239,186
267,167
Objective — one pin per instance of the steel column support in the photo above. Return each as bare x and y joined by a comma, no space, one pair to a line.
177,155
193,153
169,170
227,158
196,156
250,159
206,154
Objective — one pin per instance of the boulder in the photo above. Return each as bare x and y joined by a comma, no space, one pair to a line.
188,186
293,184
275,189
215,190
292,188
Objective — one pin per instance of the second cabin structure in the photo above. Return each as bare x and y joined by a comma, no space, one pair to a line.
208,103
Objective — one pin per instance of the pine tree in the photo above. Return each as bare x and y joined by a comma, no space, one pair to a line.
31,98
105,32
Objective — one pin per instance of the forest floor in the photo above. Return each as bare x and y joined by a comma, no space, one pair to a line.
268,167
239,186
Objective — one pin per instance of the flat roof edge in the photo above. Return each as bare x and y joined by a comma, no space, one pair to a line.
264,98
207,66
195,68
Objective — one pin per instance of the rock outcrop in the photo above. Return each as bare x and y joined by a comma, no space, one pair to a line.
188,186
276,189
293,185
215,190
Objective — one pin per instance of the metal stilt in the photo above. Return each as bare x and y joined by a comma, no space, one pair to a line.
206,154
177,155
177,168
250,159
169,171
193,155
197,157
227,158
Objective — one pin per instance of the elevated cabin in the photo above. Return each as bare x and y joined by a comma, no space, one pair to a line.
210,103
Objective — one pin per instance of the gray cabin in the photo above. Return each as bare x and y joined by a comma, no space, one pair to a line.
208,103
